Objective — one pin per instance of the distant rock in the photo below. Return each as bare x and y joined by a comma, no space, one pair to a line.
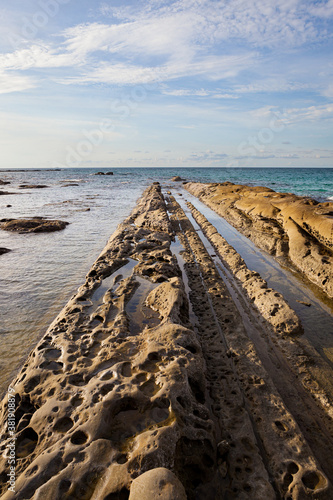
104,173
177,179
3,183
33,186
35,225
4,250
109,173
8,206
70,184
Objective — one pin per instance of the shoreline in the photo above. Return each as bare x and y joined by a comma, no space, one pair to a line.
151,366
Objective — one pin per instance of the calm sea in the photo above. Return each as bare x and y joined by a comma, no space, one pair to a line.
42,271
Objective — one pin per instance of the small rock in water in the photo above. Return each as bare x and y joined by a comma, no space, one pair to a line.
4,250
35,225
304,303
3,183
33,186
176,178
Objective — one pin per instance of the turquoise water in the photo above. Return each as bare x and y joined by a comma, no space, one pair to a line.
42,271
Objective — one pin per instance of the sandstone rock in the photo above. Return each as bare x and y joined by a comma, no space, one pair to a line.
283,224
157,484
35,225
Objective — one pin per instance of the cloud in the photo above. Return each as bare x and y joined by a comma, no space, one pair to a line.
15,82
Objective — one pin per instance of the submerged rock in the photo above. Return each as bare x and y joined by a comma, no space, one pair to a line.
35,225
33,186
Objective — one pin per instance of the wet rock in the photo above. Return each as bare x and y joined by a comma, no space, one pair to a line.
5,192
3,183
283,224
271,304
35,225
176,178
157,484
108,173
70,184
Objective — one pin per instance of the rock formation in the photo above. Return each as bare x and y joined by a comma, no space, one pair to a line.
283,224
148,385
35,225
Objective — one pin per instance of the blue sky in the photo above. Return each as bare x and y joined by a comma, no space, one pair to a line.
166,83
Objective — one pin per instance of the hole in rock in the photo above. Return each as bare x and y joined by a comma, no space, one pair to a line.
63,424
293,468
287,480
281,426
311,479
31,384
123,494
79,437
197,390
191,348
121,459
64,486
26,442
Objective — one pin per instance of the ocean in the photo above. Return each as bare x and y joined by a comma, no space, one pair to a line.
42,271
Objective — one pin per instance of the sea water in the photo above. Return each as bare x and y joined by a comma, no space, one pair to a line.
42,271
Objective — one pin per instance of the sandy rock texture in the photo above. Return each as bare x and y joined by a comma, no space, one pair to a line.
34,225
283,224
115,389
148,385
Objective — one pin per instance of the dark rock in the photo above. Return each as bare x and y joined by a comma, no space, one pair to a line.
177,179
3,183
33,186
69,185
99,173
35,225
4,250
109,173
8,206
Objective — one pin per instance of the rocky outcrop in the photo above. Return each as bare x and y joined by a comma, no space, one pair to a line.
148,385
283,224
271,304
35,225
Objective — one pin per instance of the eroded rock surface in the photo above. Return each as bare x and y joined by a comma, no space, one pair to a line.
147,383
35,225
283,224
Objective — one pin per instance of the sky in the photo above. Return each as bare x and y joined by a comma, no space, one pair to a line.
217,83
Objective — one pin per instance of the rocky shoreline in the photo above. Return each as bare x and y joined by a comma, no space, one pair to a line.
151,383
283,224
